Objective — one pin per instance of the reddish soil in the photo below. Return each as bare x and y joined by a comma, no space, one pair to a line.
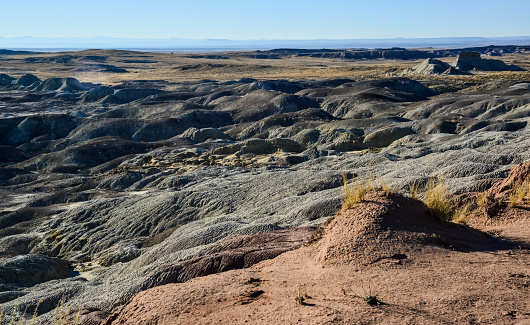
389,248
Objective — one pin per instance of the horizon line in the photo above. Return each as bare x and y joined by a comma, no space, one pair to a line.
264,39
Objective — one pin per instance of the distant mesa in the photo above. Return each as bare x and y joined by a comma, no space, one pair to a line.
101,68
466,62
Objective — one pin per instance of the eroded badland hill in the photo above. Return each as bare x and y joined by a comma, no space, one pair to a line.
158,188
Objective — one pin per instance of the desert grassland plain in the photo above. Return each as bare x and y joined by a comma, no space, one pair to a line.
182,67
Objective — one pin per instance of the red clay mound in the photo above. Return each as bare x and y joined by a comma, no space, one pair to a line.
389,228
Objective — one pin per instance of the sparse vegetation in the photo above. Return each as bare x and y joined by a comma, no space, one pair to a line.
35,313
462,214
300,298
61,315
385,186
482,199
519,193
354,193
413,189
438,200
368,297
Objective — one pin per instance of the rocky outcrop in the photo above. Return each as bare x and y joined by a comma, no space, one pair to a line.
428,67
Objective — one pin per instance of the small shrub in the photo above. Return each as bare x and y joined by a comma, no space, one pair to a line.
371,300
300,298
438,201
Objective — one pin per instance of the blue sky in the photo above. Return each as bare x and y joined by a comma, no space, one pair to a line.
270,19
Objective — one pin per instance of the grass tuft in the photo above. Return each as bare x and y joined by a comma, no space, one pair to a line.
413,189
385,186
354,193
439,201
513,198
482,199
462,214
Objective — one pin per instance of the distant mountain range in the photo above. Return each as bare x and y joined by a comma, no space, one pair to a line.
179,44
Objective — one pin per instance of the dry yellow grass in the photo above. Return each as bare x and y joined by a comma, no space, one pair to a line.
482,199
462,214
438,200
354,193
413,189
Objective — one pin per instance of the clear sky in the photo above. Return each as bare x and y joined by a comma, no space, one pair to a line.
268,19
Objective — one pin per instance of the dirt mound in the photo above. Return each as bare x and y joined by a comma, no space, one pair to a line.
387,228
